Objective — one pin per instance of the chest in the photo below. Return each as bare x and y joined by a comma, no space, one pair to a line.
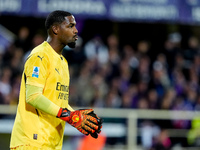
59,72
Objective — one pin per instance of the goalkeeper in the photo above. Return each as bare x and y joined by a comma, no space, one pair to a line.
43,107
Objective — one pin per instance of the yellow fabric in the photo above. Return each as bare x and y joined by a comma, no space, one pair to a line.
46,69
25,148
35,98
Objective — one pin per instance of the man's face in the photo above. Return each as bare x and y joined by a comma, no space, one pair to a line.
68,32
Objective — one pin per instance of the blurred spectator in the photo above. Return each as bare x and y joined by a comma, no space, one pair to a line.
153,99
129,55
97,50
172,48
23,40
113,42
16,62
142,72
127,100
100,88
160,79
149,132
180,62
193,82
113,56
179,82
162,141
5,85
196,64
191,98
124,77
181,104
89,143
168,99
113,99
37,39
197,104
193,48
113,48
7,56
143,48
14,95
85,91
142,103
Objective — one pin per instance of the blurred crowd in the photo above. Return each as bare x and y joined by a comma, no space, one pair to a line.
106,74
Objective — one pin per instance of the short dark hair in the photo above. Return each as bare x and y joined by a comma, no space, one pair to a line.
57,16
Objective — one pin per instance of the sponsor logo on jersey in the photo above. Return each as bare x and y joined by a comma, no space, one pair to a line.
62,87
63,91
35,71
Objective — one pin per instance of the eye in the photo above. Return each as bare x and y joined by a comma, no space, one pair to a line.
71,26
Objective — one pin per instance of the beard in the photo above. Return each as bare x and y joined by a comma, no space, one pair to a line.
72,44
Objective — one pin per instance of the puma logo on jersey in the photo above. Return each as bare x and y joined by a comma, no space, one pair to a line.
57,70
40,57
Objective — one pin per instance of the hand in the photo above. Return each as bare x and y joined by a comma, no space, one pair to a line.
100,121
82,119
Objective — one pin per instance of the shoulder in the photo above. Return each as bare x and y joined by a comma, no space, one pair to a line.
39,57
39,53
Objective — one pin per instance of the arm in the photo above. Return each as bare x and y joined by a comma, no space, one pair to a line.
84,120
35,98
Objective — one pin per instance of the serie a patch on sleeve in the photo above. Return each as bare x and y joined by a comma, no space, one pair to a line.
35,71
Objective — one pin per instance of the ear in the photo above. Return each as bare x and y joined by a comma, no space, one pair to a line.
55,29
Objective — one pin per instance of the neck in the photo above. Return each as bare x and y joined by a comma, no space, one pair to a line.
55,44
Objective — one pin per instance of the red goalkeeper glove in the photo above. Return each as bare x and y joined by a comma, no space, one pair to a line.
80,119
100,121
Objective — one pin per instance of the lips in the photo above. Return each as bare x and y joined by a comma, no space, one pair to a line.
76,37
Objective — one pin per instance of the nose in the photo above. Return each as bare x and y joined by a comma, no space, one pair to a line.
75,31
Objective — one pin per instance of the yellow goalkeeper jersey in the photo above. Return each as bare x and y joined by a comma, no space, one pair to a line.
49,70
